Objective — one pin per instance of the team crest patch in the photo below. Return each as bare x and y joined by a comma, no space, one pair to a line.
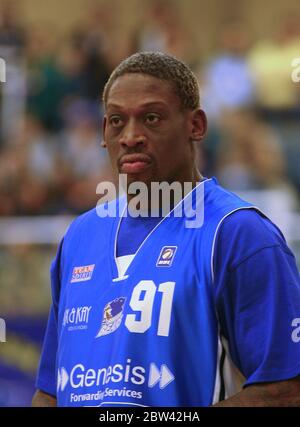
112,316
83,273
166,256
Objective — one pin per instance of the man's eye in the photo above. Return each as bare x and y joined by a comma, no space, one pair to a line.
115,121
152,118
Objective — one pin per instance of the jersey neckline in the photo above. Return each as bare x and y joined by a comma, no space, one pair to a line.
116,226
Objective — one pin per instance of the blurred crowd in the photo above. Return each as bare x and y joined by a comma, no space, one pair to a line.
50,106
51,158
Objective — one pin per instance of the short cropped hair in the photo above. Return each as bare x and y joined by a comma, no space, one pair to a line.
164,67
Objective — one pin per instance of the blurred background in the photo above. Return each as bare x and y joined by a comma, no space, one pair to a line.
58,56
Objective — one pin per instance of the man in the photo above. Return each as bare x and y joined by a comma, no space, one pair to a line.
151,311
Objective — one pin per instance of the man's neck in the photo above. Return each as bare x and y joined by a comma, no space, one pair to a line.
161,197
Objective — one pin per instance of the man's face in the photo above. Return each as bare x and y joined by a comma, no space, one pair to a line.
147,133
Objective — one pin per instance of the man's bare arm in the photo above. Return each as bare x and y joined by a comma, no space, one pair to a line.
43,399
279,393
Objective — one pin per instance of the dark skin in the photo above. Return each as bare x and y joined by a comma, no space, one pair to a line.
144,115
41,399
276,394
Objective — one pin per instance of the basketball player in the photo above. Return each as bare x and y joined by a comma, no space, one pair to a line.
151,311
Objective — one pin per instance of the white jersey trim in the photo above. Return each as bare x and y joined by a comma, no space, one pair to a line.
216,234
153,229
123,262
228,373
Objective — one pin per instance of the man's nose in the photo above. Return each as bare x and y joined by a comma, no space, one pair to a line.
132,135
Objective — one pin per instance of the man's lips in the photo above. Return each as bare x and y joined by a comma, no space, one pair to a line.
134,163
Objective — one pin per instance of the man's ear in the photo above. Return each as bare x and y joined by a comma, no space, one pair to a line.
104,122
198,125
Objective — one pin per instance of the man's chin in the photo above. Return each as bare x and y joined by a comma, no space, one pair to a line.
131,178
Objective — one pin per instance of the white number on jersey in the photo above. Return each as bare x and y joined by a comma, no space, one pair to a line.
142,300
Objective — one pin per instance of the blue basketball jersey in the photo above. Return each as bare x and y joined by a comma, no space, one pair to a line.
151,335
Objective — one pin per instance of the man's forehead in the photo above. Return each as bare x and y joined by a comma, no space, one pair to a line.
131,86
142,79
141,104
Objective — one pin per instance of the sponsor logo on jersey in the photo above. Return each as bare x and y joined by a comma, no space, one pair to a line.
83,273
124,374
166,256
161,376
76,318
62,379
112,316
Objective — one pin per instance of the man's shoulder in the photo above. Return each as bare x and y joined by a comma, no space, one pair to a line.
84,220
236,217
252,223
95,220
219,201
244,233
